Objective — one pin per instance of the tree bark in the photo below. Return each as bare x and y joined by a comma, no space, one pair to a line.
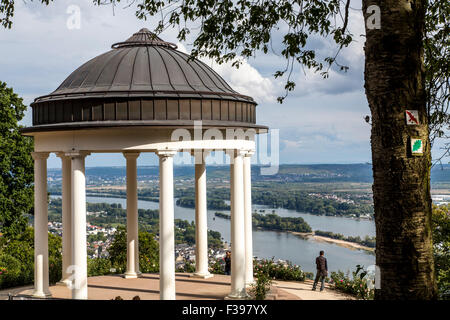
394,82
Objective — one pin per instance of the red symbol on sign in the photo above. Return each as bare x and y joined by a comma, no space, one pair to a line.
411,118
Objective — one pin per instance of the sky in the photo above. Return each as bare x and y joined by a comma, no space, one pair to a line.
320,122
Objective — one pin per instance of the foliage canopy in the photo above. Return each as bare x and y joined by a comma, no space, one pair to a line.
441,249
16,165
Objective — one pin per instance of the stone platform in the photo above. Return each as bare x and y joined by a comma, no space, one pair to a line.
147,288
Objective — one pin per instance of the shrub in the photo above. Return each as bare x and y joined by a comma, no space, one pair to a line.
358,285
118,250
148,252
263,282
441,249
54,258
99,267
54,268
266,269
288,272
10,271
309,275
218,267
21,248
188,267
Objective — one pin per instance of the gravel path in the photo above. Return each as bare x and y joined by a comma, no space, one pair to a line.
303,290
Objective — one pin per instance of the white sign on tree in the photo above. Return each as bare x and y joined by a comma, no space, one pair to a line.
412,117
416,146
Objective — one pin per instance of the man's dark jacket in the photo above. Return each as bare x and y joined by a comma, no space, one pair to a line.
227,263
321,265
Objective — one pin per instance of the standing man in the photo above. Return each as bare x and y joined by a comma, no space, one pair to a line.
227,260
322,271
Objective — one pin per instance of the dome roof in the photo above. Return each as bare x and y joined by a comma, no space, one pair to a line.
142,81
144,37
144,65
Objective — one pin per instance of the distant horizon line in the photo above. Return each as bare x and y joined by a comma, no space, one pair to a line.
254,165
226,165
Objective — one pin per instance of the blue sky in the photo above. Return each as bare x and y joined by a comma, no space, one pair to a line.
320,122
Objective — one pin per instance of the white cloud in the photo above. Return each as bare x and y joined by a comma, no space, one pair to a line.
309,82
246,79
40,52
285,143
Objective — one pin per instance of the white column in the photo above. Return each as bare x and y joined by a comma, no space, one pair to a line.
231,155
248,219
66,218
132,217
237,228
79,250
201,222
166,226
40,225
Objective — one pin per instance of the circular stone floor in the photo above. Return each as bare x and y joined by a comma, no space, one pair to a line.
147,288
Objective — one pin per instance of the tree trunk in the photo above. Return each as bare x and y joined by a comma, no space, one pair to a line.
394,82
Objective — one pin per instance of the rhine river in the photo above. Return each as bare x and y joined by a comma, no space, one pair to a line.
282,245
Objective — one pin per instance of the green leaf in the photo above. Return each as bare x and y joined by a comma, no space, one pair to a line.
417,145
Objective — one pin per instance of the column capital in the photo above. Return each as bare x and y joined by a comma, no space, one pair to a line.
240,152
234,153
77,154
250,152
131,155
61,154
164,153
40,155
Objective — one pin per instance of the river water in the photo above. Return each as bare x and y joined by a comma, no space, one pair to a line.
282,245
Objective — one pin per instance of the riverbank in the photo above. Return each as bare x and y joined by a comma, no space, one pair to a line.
342,243
283,245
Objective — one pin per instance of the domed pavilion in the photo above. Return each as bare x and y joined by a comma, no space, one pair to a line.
143,96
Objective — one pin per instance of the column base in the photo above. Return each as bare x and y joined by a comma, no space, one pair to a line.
139,274
130,275
64,282
37,294
202,275
241,296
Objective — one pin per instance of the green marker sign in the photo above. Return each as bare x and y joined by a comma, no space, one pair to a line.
416,146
